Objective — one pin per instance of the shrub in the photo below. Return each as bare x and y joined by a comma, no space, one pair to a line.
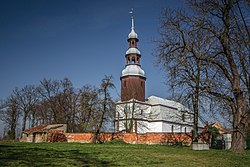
57,137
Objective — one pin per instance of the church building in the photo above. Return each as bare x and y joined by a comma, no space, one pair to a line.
134,112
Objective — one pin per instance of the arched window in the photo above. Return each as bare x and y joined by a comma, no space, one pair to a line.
133,60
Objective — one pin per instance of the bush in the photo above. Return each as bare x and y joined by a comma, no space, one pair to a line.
57,137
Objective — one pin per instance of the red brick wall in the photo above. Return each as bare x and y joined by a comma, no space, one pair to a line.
148,138
79,137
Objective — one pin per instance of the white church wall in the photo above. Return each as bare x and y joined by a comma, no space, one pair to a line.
167,127
155,127
156,112
132,109
143,127
121,126
188,129
176,128
153,118
167,113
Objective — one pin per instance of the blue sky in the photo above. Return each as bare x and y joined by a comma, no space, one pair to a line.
81,40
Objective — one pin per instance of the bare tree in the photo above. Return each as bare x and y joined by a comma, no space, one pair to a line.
49,91
88,107
180,52
58,103
41,114
216,35
106,104
26,99
10,115
67,103
228,66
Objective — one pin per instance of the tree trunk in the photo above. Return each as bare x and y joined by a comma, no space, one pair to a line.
12,131
24,121
96,136
240,145
33,119
240,124
195,106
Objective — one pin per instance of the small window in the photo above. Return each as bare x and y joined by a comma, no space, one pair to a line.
133,60
125,83
141,83
172,128
183,117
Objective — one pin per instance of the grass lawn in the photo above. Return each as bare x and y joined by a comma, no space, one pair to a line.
76,154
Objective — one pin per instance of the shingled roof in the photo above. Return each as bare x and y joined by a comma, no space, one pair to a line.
42,128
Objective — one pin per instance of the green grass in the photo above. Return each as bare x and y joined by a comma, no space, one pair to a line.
76,154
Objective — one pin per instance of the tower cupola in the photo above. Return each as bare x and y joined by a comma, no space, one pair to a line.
132,34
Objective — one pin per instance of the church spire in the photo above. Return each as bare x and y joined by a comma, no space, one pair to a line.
133,55
132,34
132,27
133,77
132,19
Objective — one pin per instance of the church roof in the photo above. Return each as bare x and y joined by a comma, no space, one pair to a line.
42,128
154,100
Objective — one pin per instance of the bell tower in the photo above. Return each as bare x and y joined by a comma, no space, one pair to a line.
133,77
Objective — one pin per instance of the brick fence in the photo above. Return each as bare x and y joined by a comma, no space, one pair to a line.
133,138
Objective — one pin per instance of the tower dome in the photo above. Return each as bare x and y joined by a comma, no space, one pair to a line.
133,51
132,34
134,70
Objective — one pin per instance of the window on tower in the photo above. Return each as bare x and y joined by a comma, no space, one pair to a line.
133,60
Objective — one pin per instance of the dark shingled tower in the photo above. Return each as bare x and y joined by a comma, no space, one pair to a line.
133,77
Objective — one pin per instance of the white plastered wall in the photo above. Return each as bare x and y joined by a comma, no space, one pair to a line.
153,118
